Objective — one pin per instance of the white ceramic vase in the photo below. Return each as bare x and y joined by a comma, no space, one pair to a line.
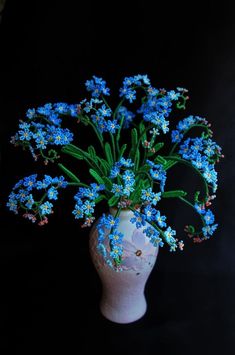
123,299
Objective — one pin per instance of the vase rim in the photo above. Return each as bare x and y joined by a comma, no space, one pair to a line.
123,210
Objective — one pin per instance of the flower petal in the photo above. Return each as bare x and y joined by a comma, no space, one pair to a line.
149,249
127,246
130,261
138,239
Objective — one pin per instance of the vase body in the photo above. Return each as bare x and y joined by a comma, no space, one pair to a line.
123,299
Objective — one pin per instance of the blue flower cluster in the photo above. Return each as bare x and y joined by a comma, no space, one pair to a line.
150,196
156,221
126,178
134,183
85,202
89,105
108,234
53,112
127,186
105,125
101,116
156,110
128,116
148,214
130,84
157,173
42,129
26,196
97,87
157,107
203,154
154,236
184,125
122,163
208,218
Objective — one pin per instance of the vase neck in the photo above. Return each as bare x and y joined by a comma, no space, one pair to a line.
124,214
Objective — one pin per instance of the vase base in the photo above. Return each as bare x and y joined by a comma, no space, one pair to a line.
126,317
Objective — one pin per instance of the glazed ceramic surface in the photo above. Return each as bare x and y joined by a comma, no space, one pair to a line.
123,299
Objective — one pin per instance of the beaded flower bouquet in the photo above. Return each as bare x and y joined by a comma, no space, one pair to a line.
125,169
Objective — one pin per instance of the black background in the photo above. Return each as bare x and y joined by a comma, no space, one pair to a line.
49,288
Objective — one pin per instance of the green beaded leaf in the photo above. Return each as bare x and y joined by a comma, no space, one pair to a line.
138,190
122,150
108,183
156,148
134,142
196,196
144,168
137,159
160,159
169,164
76,152
191,229
69,173
96,176
108,153
100,198
142,131
113,201
103,165
174,193
92,153
119,131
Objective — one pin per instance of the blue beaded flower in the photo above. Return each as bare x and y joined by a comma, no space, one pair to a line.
127,166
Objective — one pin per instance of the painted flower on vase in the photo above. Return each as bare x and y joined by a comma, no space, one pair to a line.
138,254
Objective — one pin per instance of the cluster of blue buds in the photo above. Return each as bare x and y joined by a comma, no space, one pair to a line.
125,177
35,197
147,213
97,87
100,115
188,123
157,173
41,131
127,116
203,154
128,175
109,234
86,199
128,90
